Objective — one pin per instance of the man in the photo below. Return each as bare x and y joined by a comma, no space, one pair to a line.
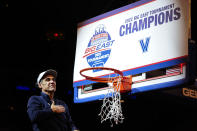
46,112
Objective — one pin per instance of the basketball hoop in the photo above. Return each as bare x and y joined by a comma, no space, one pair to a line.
111,108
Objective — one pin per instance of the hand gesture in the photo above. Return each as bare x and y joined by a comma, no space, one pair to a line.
57,108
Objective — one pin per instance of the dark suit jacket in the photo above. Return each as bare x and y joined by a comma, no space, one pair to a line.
44,119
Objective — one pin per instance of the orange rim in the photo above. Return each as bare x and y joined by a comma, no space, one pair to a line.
98,79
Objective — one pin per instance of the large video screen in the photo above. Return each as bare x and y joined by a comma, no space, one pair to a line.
141,39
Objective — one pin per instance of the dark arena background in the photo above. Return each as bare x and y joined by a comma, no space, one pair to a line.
41,34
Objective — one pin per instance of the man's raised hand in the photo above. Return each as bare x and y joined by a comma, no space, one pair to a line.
57,108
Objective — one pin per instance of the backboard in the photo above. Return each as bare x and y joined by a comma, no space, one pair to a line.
147,39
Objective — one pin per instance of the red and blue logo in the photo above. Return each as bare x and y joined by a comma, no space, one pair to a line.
99,47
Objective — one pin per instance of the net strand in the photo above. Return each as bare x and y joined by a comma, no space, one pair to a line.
111,108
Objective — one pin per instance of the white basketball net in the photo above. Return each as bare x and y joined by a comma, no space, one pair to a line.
111,108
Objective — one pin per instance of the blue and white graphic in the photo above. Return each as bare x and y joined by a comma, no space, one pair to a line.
137,39
99,47
145,45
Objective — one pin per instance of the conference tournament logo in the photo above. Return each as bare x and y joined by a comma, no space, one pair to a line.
99,47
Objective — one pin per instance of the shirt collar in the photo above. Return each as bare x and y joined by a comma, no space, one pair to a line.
45,96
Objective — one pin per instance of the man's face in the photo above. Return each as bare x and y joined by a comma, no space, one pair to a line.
48,84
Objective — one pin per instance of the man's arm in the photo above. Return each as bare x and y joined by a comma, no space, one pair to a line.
36,111
57,108
72,125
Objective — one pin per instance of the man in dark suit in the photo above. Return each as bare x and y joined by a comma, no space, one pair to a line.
46,112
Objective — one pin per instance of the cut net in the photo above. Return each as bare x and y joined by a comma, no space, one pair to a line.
111,108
